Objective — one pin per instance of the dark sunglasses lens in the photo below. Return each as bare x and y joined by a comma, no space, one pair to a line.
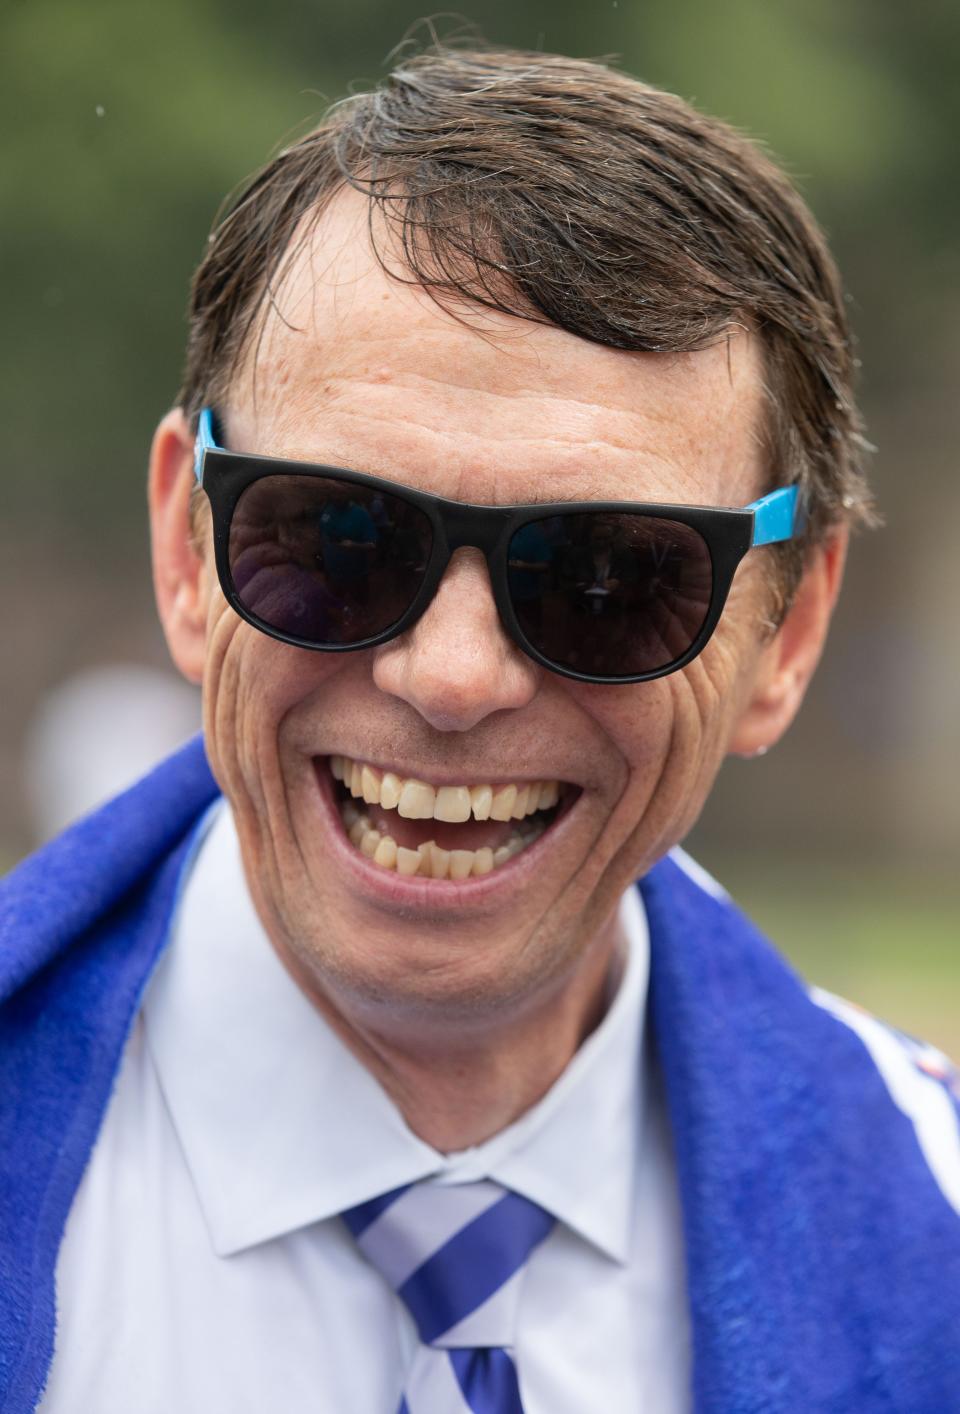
613,595
326,561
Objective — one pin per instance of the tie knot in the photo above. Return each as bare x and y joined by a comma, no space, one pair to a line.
454,1254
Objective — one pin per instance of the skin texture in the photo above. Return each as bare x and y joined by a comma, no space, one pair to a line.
467,1015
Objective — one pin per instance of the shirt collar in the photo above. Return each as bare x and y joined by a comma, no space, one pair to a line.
281,1126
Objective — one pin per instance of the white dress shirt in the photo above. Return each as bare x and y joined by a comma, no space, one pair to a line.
205,1270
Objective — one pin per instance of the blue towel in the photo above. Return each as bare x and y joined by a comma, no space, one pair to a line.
823,1252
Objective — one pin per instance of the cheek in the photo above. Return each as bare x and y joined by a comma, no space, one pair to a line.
251,685
671,736
666,745
649,725
705,704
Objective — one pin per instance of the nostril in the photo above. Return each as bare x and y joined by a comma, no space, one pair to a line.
456,665
447,701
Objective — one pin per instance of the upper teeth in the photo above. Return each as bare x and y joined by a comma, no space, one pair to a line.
417,800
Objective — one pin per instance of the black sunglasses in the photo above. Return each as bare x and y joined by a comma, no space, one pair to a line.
600,591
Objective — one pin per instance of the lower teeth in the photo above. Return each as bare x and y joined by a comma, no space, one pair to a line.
429,860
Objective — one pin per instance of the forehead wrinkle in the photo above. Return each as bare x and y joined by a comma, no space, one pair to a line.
620,443
428,465
573,427
504,464
625,444
425,356
575,405
580,423
624,424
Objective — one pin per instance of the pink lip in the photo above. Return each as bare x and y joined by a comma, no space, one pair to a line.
423,895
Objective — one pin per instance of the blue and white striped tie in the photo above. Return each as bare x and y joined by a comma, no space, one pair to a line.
455,1254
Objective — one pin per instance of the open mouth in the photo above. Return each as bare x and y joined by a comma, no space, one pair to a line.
454,832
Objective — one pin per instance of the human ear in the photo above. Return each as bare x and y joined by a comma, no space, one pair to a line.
788,661
180,574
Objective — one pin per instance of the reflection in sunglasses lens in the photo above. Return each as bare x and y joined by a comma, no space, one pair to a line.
326,561
613,594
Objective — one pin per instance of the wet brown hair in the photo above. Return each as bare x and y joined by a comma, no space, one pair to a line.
563,191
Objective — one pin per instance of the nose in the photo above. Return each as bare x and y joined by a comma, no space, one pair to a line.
456,665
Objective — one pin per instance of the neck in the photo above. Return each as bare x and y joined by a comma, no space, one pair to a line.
461,1087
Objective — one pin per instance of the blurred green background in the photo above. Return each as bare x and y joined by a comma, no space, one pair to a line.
126,122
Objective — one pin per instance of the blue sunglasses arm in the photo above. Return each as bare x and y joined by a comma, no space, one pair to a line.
777,516
205,442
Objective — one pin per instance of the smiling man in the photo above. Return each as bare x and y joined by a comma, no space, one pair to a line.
507,494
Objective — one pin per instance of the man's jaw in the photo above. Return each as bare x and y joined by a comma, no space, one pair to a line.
455,832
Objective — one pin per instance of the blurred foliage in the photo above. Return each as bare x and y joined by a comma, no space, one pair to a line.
125,123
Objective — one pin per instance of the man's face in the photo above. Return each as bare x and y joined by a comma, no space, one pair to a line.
364,372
